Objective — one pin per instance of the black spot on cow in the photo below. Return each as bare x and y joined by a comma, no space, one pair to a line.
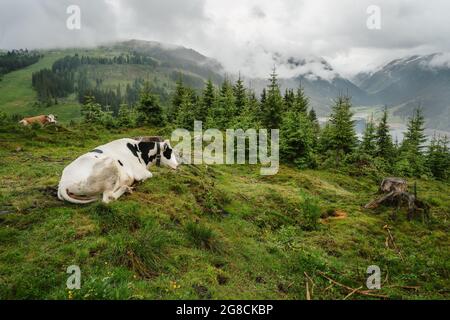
145,148
167,152
134,150
151,158
97,151
120,162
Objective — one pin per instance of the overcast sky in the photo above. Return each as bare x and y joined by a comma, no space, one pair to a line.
248,35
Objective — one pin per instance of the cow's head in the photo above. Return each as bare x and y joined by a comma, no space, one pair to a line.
168,157
51,118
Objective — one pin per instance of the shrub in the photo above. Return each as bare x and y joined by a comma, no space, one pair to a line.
310,213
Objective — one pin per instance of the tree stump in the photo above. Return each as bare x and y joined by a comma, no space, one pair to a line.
395,193
393,184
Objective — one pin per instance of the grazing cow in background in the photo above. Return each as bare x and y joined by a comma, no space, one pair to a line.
42,119
110,170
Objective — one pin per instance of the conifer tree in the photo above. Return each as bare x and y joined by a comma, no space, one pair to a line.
438,158
124,118
297,139
289,100
91,111
368,144
412,158
240,94
208,98
325,139
150,111
227,101
384,144
186,114
315,126
273,105
180,91
415,136
223,110
301,101
343,135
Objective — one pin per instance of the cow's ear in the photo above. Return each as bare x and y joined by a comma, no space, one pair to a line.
167,143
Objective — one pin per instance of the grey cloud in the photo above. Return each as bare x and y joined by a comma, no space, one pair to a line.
41,24
242,35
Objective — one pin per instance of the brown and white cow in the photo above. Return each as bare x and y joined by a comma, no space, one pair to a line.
42,119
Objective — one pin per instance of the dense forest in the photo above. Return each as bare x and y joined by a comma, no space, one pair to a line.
65,77
303,142
17,59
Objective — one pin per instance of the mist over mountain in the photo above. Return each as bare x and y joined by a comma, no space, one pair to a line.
406,83
402,84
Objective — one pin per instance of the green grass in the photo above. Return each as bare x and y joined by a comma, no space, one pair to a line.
18,97
202,232
206,232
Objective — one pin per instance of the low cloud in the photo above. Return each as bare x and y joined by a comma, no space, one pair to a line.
249,36
440,61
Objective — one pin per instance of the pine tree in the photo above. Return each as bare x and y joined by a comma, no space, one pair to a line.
384,146
413,160
273,105
208,98
91,111
180,91
125,117
228,101
289,100
186,115
297,139
325,139
438,158
315,126
240,94
415,136
150,111
343,133
224,109
368,144
248,118
301,101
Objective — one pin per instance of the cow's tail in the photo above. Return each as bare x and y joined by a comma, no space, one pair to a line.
64,195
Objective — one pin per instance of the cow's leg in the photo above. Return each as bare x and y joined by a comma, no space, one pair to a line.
121,186
108,196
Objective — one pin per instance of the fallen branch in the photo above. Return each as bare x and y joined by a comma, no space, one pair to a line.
351,293
308,295
308,279
357,290
391,238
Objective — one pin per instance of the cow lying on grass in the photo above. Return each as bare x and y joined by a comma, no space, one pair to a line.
42,119
110,170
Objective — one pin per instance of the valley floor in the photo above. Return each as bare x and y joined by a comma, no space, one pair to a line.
207,232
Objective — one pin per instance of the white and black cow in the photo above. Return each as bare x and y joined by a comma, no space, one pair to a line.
111,169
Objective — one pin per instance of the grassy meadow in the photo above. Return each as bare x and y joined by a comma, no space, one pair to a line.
207,232
201,232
